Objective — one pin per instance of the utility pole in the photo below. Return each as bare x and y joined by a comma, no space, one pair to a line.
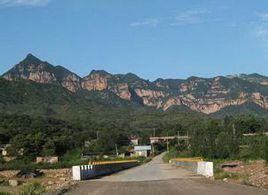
116,150
187,139
97,135
234,130
152,144
167,145
178,137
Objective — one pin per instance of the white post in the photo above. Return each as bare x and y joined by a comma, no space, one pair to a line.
205,168
76,170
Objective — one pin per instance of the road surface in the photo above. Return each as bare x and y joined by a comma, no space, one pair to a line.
157,178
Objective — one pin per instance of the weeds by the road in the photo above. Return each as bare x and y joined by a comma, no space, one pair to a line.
173,153
33,189
4,193
221,175
29,189
250,172
232,177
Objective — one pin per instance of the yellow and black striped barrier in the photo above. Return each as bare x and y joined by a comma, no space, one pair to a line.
192,159
100,168
112,162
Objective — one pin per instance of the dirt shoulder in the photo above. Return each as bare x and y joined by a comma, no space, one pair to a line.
254,173
53,179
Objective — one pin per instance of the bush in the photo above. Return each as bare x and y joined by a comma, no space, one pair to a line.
68,160
220,174
257,147
72,157
266,155
4,193
3,183
33,189
245,153
143,160
1,159
174,153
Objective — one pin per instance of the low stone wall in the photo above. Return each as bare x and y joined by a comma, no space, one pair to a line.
191,166
47,159
196,165
96,169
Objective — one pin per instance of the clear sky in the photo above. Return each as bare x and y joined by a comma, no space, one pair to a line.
151,38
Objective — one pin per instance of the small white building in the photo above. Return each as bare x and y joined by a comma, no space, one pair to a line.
142,150
134,140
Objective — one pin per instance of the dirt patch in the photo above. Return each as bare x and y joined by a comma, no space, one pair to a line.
8,174
57,178
53,179
254,172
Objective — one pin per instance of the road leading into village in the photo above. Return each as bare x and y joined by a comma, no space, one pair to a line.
157,178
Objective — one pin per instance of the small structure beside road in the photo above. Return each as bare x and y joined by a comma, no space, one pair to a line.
134,140
142,150
168,138
47,159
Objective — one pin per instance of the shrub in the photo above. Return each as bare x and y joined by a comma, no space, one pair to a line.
174,153
4,193
220,174
33,189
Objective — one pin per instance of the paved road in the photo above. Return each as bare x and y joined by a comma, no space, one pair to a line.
157,178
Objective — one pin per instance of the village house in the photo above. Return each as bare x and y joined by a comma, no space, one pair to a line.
142,150
134,140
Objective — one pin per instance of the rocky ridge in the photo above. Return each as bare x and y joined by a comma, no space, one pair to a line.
206,95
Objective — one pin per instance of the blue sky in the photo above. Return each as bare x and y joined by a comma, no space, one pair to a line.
151,38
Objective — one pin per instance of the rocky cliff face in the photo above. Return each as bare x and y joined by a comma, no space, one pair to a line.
71,82
207,95
122,90
33,69
95,81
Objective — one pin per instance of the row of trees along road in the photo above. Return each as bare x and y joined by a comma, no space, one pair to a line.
209,138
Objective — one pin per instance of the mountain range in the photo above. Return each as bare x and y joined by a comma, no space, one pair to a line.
204,95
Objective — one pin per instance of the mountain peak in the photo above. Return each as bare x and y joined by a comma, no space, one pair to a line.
30,55
99,72
31,58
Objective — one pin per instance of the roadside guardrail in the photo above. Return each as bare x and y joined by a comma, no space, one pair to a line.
100,168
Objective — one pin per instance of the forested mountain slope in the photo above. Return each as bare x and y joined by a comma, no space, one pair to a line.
33,76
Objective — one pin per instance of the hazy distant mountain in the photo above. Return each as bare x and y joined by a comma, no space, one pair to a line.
206,95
